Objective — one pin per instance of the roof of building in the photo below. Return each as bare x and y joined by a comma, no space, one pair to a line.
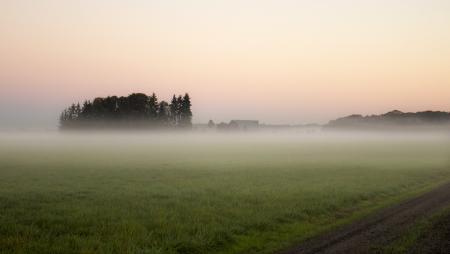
245,121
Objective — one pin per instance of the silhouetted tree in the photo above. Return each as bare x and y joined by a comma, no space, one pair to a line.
72,112
124,108
63,119
138,104
185,111
86,111
110,106
153,106
174,110
136,110
77,111
163,113
98,110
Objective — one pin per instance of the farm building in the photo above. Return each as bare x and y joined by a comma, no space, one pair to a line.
244,124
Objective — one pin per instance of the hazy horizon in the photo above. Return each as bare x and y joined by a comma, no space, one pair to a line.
285,61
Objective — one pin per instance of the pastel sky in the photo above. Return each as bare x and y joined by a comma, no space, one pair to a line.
278,61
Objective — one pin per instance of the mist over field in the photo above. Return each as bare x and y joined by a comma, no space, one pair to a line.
138,192
185,138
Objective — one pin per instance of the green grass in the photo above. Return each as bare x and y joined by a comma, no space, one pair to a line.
421,229
132,194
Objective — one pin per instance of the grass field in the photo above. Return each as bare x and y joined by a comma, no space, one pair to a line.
192,194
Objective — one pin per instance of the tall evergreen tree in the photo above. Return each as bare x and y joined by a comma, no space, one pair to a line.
179,109
163,113
86,110
77,111
72,112
186,113
153,106
174,110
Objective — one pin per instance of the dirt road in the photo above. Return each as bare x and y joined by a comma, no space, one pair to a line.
380,229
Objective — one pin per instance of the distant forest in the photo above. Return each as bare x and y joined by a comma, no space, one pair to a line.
393,119
136,111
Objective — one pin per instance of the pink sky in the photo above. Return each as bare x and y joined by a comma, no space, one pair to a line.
275,61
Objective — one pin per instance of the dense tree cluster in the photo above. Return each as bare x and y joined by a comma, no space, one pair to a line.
134,111
393,119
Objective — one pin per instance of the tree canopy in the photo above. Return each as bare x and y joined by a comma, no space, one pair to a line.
134,111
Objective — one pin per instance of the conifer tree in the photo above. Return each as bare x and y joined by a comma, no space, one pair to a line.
153,106
174,110
186,113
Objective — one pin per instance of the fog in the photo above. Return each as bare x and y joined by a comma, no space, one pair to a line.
194,179
106,139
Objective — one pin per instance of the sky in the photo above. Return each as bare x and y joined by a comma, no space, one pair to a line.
277,61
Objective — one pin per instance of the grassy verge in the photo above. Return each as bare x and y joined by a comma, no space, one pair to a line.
295,233
415,240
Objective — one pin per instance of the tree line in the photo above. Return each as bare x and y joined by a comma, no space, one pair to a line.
134,111
393,119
